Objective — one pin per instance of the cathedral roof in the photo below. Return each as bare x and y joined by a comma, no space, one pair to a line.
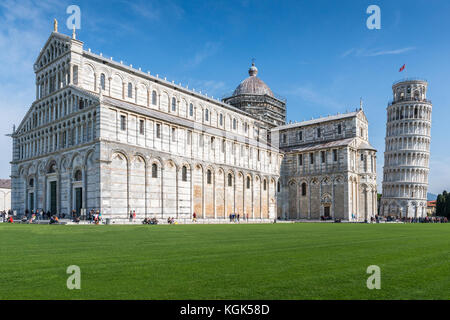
5,183
253,84
360,145
318,120
321,145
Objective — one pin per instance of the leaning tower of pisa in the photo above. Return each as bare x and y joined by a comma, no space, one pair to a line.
407,151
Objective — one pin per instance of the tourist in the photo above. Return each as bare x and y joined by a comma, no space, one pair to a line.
194,217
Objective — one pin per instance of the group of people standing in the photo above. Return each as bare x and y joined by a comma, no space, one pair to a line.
40,214
417,220
7,216
94,216
237,217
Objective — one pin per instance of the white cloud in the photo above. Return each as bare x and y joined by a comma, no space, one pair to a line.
25,27
311,95
211,87
387,52
209,49
374,52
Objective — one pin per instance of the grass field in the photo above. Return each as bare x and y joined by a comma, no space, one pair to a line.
281,261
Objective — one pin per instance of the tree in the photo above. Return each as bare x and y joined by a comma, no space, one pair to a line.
440,202
443,204
447,204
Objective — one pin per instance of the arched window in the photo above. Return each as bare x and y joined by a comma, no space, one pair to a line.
248,182
191,110
208,177
221,119
174,104
303,189
184,173
52,168
234,124
278,186
206,115
130,90
265,185
154,170
81,104
31,183
102,81
77,176
230,180
154,97
75,75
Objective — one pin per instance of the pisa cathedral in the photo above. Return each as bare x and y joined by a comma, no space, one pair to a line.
105,136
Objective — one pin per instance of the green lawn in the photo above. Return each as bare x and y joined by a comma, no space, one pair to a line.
281,261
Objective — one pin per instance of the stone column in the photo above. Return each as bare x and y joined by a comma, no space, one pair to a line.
85,189
214,195
70,188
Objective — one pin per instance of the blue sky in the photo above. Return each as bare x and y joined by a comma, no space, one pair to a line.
318,54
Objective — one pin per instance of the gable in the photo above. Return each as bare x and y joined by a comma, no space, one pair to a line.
56,46
361,116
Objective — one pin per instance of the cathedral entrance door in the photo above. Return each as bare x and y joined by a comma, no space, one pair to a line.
326,211
31,201
78,200
53,197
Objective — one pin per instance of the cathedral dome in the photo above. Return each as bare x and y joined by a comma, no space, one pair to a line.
253,84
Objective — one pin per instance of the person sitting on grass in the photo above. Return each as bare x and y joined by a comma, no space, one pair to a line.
10,219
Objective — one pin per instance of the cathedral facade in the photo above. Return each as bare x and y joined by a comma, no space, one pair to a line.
105,136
